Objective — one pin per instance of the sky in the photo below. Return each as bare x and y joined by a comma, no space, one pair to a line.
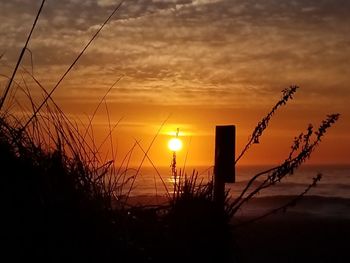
194,64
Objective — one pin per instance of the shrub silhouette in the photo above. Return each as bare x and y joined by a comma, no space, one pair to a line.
61,203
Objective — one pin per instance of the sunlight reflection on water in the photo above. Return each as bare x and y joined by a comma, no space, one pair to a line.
335,181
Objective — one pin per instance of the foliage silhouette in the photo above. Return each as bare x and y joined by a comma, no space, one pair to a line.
61,200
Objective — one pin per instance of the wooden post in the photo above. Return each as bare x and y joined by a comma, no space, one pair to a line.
224,168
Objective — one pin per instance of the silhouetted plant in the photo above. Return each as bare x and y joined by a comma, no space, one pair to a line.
62,198
302,148
196,223
3,98
287,94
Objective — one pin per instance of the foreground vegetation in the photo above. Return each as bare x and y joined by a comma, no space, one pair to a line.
62,202
58,207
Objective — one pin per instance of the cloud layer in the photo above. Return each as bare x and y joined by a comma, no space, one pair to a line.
228,52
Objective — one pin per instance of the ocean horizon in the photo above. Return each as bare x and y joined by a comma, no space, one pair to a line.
335,180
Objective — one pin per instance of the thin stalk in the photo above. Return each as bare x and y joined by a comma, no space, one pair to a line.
73,64
2,100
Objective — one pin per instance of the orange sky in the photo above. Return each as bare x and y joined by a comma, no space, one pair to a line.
204,63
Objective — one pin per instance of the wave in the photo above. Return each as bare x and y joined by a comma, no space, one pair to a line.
294,184
313,205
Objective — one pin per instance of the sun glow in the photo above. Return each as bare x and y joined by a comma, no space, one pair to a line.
175,144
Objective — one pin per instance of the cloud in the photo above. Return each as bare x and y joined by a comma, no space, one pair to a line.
106,2
182,51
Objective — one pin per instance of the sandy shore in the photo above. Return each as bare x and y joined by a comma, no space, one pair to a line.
316,230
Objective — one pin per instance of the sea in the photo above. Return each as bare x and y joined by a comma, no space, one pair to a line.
335,180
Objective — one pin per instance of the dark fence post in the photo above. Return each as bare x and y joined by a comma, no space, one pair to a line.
224,168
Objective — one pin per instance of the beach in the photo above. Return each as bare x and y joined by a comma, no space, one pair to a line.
317,229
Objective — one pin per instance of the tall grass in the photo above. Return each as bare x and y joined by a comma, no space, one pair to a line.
62,200
59,198
3,98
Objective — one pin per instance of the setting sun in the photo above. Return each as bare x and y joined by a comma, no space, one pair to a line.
209,128
175,144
